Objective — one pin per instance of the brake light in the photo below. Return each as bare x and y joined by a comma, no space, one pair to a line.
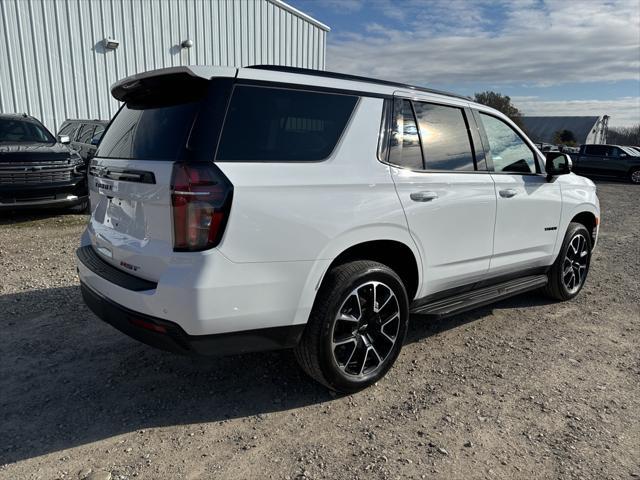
201,200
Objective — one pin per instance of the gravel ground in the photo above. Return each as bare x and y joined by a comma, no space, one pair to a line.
524,389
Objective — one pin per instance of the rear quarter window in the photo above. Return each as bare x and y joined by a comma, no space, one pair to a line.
266,124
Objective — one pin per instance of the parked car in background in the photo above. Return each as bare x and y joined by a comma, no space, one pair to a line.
615,161
85,135
569,150
547,147
324,228
36,169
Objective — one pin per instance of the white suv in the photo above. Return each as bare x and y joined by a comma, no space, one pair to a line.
236,210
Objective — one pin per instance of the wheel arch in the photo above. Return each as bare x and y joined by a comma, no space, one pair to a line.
395,254
589,220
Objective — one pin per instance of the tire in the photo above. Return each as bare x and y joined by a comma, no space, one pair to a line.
367,342
634,176
575,255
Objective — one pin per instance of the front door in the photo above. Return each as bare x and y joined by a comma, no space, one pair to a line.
448,201
593,160
528,205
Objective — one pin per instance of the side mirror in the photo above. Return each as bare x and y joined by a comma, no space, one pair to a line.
64,138
557,163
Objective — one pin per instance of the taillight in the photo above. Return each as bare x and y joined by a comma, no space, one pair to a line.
201,200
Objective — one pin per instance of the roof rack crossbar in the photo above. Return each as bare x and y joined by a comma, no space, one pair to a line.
357,78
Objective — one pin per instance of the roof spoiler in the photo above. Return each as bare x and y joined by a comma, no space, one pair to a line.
182,78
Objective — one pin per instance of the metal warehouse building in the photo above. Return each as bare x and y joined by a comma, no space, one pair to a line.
58,58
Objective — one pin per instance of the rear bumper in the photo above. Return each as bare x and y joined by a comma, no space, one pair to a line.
169,336
205,293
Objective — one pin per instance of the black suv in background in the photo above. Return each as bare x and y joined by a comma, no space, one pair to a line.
85,135
37,169
608,161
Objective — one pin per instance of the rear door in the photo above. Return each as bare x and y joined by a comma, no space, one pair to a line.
130,177
528,206
448,196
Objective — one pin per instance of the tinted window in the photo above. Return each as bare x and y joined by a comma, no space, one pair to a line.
508,151
85,133
445,137
97,133
18,131
148,133
272,124
405,148
600,150
68,129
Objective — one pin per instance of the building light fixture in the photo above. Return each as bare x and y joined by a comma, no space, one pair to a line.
110,43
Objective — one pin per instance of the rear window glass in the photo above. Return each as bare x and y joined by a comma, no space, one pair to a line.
274,124
149,133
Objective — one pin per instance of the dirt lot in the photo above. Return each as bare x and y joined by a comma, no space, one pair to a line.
523,389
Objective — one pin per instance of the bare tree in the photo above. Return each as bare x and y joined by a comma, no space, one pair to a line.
624,135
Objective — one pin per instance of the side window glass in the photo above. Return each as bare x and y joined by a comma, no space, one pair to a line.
445,137
613,152
508,151
275,124
405,148
84,135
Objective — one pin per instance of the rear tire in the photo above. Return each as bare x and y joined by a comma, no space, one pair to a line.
634,176
356,328
569,272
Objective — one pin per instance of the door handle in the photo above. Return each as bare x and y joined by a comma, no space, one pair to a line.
508,193
423,196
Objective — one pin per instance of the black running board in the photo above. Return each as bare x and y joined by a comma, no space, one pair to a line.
480,297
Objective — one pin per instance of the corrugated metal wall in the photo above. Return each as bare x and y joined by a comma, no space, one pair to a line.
53,64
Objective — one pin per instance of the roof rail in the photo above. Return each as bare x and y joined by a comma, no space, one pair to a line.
357,78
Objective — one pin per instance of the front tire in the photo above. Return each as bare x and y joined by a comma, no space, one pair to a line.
634,176
569,271
356,328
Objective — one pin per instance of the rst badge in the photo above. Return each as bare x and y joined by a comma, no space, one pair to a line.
128,266
104,186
